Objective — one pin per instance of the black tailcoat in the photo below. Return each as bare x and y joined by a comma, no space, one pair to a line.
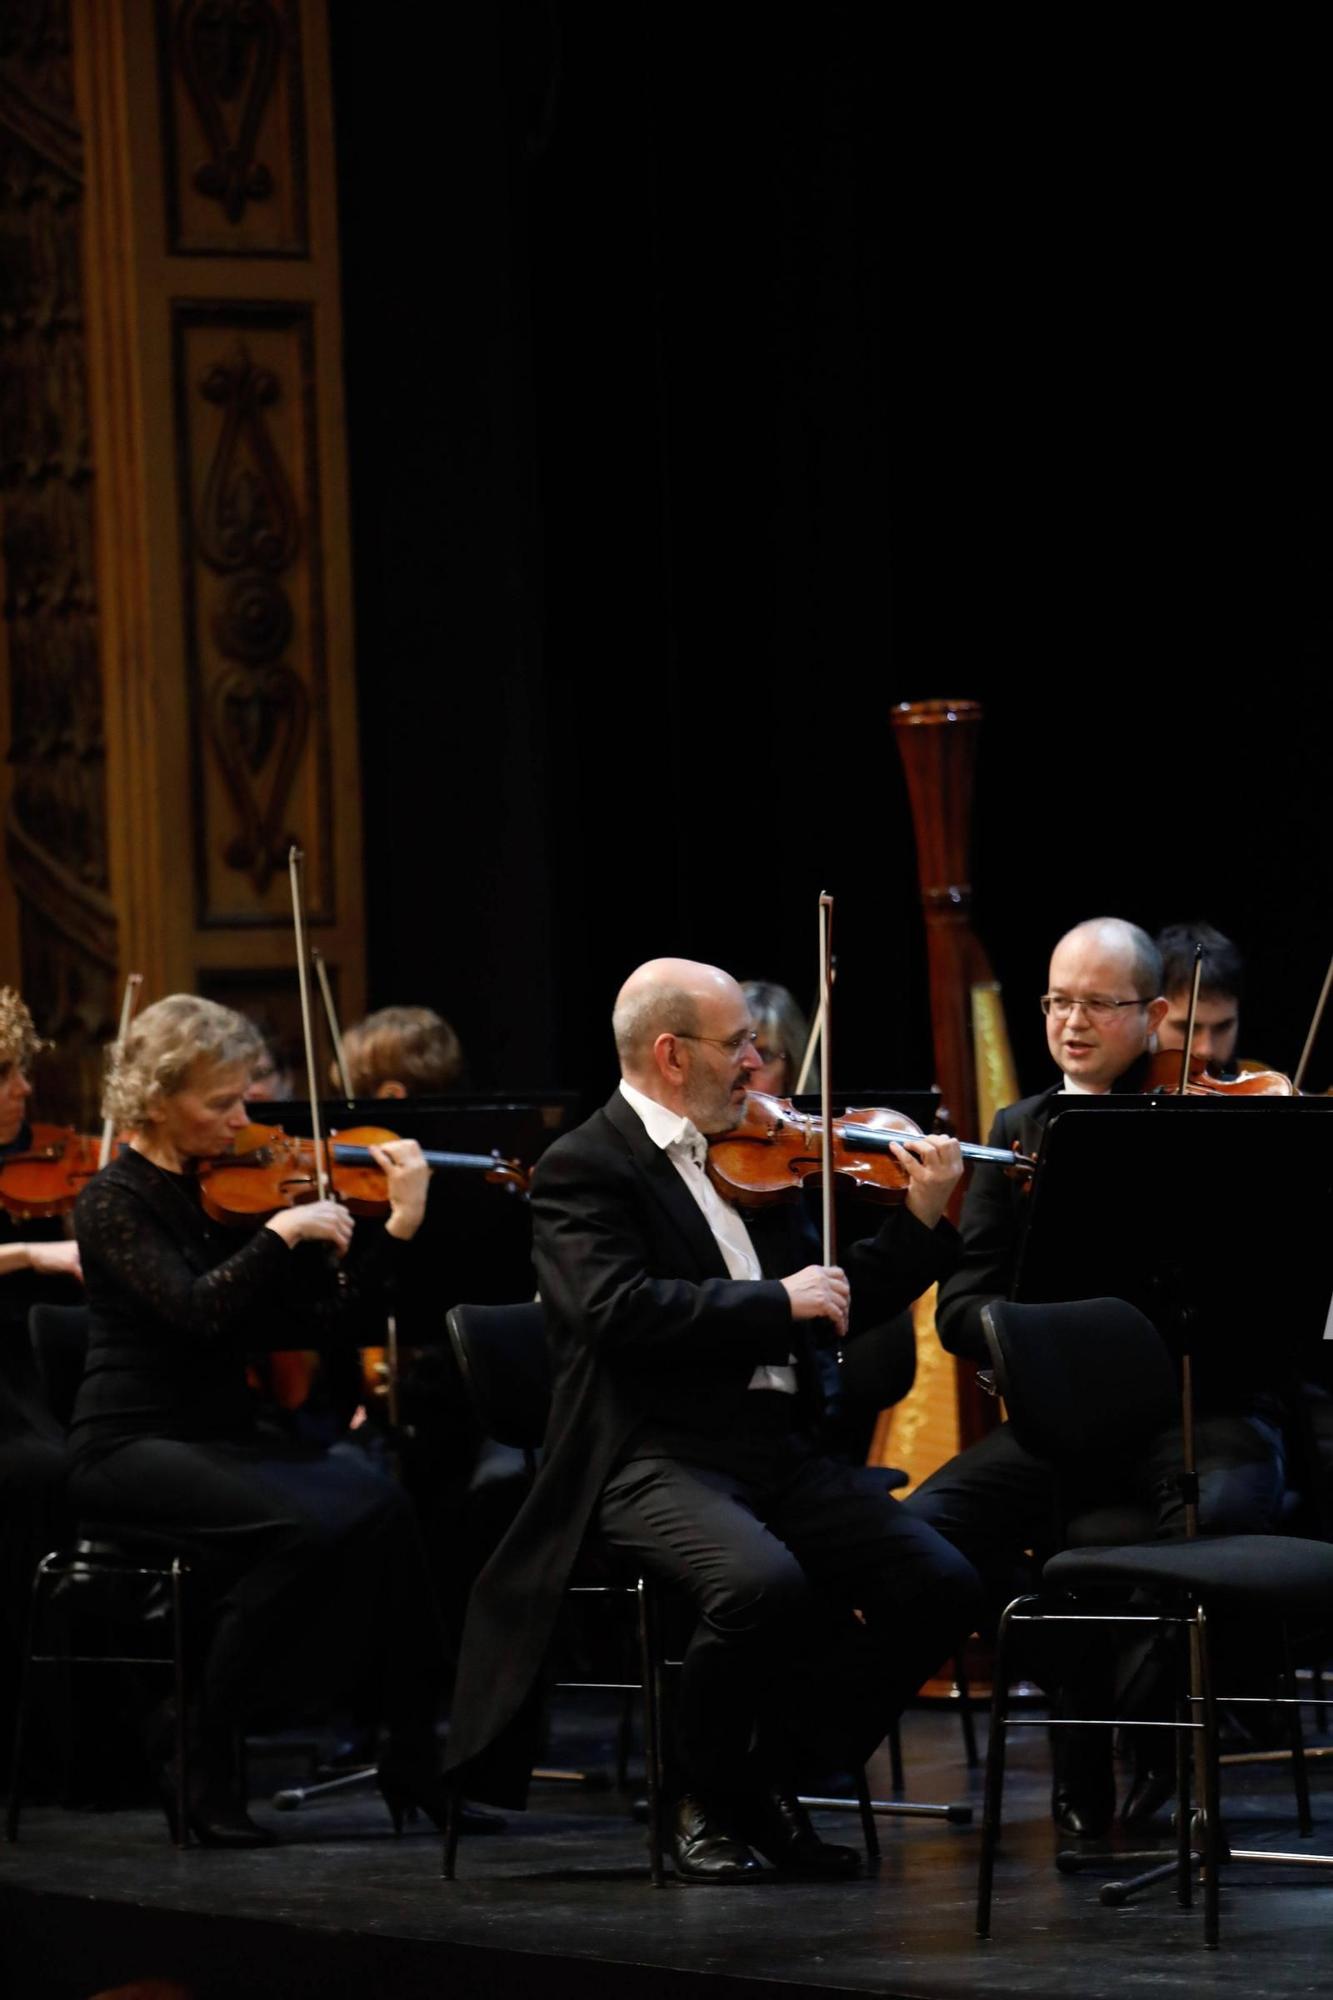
645,1328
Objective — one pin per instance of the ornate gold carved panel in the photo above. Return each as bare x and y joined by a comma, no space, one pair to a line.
233,121
61,918
253,607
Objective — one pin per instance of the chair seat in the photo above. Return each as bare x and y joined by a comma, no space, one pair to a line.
118,1541
1229,1572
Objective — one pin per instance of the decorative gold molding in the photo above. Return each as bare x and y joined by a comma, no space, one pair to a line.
233,128
252,605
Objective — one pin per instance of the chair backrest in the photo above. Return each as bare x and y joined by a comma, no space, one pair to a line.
502,1357
58,1336
1082,1379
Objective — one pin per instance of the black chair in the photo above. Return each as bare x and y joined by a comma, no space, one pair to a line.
504,1363
1080,1380
125,1580
503,1360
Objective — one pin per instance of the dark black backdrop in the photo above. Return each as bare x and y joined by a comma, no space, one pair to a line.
718,376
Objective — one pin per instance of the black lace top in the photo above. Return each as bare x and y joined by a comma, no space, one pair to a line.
176,1302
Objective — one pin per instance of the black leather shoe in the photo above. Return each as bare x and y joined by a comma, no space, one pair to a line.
1083,1795
1147,1794
705,1849
227,1826
779,1826
213,1823
407,1791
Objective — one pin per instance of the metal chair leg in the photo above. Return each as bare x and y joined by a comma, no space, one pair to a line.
960,1682
1300,1776
650,1669
25,1695
865,1805
182,1834
991,1810
1212,1807
896,1778
452,1821
1184,1769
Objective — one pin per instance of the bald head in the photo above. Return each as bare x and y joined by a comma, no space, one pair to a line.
1113,941
667,996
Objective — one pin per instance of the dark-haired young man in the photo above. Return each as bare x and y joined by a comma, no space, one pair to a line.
1217,1017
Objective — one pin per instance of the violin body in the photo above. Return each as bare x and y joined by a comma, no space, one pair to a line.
1163,1075
269,1170
50,1174
775,1150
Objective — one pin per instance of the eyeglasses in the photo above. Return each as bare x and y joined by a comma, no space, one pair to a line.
730,1045
1097,1009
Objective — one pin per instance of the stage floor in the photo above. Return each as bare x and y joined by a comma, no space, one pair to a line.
562,1905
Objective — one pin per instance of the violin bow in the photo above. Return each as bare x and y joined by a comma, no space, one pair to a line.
1189,1024
128,1002
295,863
816,1034
826,1074
1308,1050
331,1016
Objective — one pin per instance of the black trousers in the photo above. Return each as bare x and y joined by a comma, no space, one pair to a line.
319,1570
822,1605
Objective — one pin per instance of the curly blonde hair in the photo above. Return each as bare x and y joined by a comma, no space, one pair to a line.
164,1044
20,1042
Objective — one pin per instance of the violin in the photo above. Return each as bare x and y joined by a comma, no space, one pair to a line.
1164,1075
49,1174
776,1149
269,1170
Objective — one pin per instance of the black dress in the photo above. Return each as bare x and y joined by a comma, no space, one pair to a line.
315,1556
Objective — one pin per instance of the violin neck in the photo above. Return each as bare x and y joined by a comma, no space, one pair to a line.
869,1139
477,1163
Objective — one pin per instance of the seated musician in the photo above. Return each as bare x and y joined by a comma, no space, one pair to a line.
682,1333
402,1052
41,1248
298,1545
993,1501
1217,1016
37,1263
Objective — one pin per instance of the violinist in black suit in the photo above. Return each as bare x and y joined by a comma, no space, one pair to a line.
682,1336
994,1501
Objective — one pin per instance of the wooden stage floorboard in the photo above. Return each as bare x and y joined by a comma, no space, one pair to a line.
562,1905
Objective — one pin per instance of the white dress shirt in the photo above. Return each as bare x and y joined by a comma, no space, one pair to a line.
687,1149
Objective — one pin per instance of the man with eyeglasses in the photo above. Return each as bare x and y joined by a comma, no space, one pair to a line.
1104,1002
682,1334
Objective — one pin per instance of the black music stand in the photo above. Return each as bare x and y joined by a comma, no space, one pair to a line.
1192,1209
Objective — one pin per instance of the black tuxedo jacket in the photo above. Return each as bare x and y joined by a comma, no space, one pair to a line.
991,1225
646,1329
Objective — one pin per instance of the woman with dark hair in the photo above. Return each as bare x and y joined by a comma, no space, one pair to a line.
314,1556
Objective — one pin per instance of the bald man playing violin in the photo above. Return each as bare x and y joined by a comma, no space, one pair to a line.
682,1335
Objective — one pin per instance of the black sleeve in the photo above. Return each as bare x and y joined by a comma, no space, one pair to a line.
263,1294
989,1229
591,1256
901,1260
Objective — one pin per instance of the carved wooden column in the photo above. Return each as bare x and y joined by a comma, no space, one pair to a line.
58,932
180,652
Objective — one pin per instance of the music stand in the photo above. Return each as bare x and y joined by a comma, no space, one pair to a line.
1189,1208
